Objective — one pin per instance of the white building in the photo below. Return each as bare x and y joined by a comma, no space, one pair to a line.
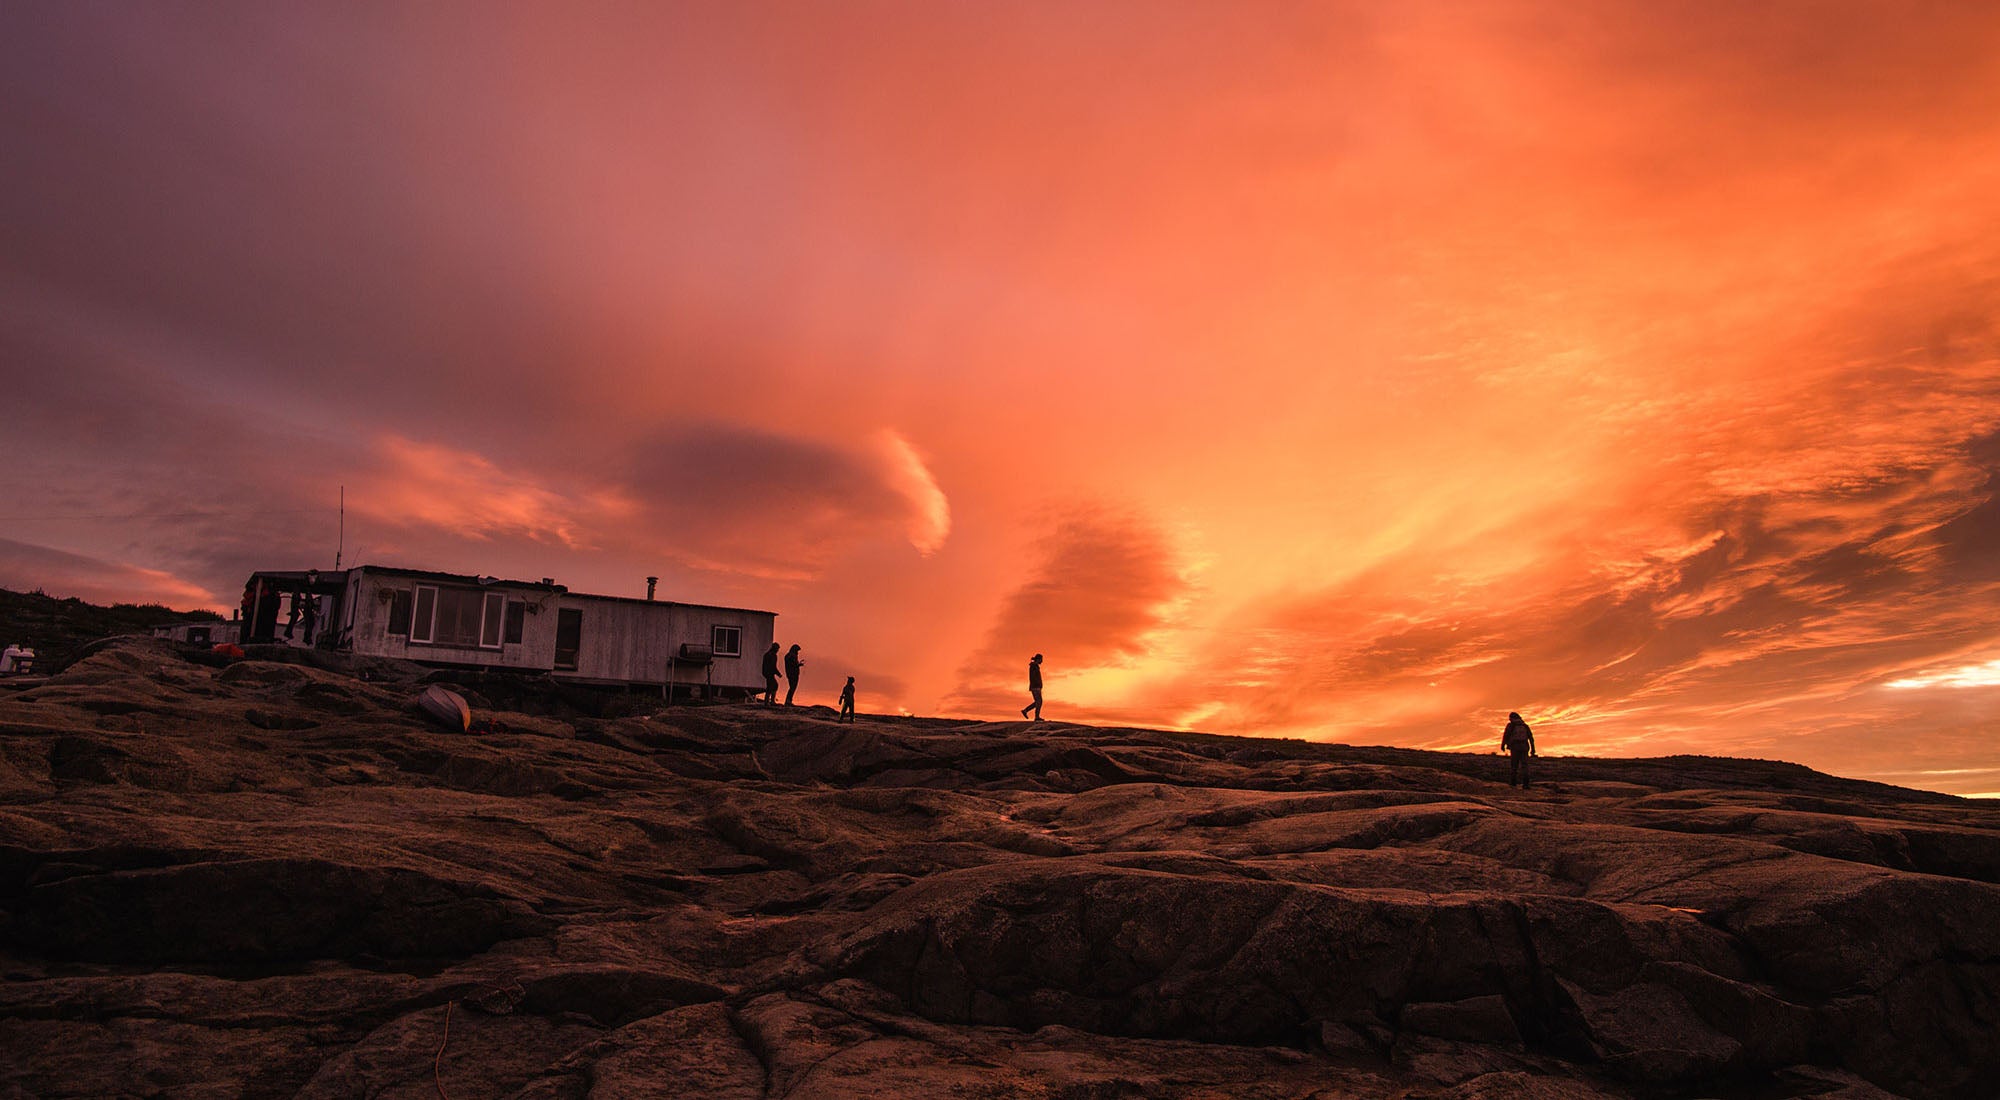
463,621
200,632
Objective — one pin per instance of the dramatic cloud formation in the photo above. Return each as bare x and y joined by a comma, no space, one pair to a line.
1101,589
1634,365
464,493
725,498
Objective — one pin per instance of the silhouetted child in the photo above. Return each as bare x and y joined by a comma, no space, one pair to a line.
847,701
771,675
1519,741
792,666
1034,688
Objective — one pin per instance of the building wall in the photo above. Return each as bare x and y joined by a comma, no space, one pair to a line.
635,641
369,596
759,628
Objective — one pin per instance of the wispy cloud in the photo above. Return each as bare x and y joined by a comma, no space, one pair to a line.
1984,674
420,484
24,566
930,511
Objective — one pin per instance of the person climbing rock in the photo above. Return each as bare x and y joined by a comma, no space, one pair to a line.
1519,742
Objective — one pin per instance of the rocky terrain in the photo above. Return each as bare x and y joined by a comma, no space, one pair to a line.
273,878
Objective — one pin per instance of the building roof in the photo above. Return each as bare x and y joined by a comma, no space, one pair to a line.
666,603
336,576
330,579
462,578
315,580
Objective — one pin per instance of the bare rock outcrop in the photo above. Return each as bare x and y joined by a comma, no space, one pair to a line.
271,878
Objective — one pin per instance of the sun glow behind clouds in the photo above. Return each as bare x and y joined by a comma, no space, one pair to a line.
1986,674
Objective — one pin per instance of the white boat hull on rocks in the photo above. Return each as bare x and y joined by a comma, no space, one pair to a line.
446,706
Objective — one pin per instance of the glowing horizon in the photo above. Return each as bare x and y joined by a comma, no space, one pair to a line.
1339,371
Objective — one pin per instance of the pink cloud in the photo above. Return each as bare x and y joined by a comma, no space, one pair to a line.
26,567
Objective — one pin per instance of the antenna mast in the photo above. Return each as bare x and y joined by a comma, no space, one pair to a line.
342,544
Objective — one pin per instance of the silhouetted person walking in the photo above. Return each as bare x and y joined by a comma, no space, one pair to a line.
771,675
792,666
1519,741
1034,688
847,701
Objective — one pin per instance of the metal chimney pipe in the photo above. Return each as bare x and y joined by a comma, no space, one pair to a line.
651,583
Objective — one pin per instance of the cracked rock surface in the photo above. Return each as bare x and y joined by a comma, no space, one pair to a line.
273,878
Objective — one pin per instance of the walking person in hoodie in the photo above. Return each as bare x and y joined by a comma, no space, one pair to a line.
1034,688
771,675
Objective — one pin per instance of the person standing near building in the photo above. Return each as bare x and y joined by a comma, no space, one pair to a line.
847,701
1519,742
792,666
771,675
1034,688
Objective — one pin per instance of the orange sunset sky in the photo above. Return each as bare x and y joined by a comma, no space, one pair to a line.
1357,372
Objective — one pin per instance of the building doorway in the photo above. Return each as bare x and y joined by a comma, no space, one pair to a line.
569,637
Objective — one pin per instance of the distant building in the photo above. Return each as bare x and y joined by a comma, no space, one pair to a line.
464,621
202,632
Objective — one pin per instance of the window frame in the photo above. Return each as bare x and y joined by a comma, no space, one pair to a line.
423,614
492,622
425,600
715,640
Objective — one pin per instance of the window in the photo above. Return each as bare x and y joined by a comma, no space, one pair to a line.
458,612
517,617
465,617
727,641
492,617
425,613
399,611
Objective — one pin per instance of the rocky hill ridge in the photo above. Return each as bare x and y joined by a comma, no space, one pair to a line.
273,878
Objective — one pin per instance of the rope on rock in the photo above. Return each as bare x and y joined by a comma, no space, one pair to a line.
436,1078
494,1000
